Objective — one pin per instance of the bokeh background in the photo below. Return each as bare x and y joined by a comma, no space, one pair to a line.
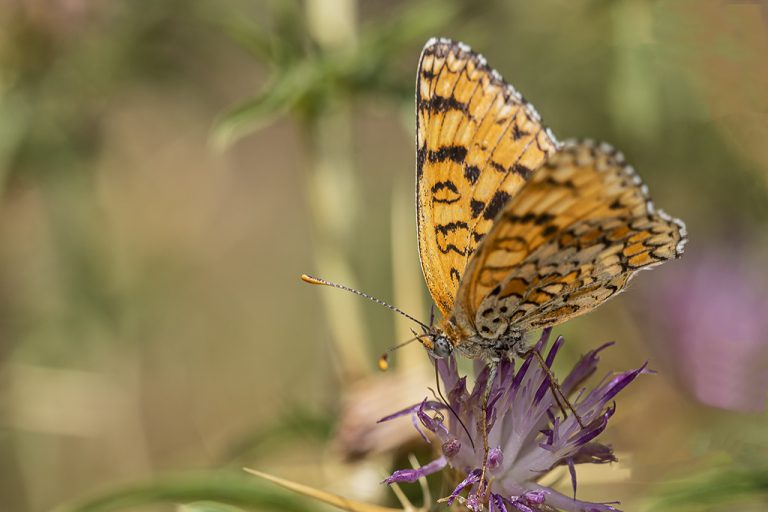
169,168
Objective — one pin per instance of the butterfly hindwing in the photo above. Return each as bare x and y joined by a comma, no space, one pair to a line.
570,239
477,143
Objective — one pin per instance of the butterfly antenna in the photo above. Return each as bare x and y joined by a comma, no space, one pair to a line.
317,280
448,405
384,359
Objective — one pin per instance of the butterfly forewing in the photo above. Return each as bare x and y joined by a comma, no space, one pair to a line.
568,241
477,143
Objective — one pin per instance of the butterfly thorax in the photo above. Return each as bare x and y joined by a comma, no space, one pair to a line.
470,343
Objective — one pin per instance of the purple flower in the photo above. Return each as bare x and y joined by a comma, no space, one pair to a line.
527,434
713,314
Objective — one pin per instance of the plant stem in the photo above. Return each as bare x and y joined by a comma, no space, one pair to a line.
333,190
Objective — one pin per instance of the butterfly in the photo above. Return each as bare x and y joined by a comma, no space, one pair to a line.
516,230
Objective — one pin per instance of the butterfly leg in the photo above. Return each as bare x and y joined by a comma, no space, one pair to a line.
484,422
555,387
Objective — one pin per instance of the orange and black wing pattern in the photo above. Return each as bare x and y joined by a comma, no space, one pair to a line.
478,141
571,238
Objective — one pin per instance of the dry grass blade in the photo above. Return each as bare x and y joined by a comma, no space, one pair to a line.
325,497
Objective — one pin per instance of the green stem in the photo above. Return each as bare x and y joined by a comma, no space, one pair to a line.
333,191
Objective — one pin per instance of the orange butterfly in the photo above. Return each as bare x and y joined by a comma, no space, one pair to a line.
517,231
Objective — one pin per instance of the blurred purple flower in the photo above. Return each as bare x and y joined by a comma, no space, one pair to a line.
527,435
714,316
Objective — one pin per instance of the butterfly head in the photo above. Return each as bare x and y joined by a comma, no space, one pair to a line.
441,346
437,343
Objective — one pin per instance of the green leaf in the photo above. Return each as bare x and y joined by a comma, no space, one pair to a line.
285,92
413,24
281,39
14,122
374,69
718,487
208,506
252,38
305,83
215,487
293,425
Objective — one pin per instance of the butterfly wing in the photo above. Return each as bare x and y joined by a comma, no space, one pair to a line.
478,141
571,238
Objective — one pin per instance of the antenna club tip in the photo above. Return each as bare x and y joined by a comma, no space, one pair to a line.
384,362
311,280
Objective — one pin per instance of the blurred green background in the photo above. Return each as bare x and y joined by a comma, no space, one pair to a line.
169,168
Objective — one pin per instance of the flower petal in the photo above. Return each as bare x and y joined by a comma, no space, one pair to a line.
498,501
562,502
412,475
432,424
472,478
620,382
572,472
426,404
593,453
583,369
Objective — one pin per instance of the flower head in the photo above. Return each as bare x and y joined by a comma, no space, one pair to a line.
527,435
713,327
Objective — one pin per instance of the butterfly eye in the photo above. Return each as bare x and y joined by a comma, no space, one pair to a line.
442,347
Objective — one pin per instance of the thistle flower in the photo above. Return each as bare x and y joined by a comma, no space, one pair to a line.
527,435
713,328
